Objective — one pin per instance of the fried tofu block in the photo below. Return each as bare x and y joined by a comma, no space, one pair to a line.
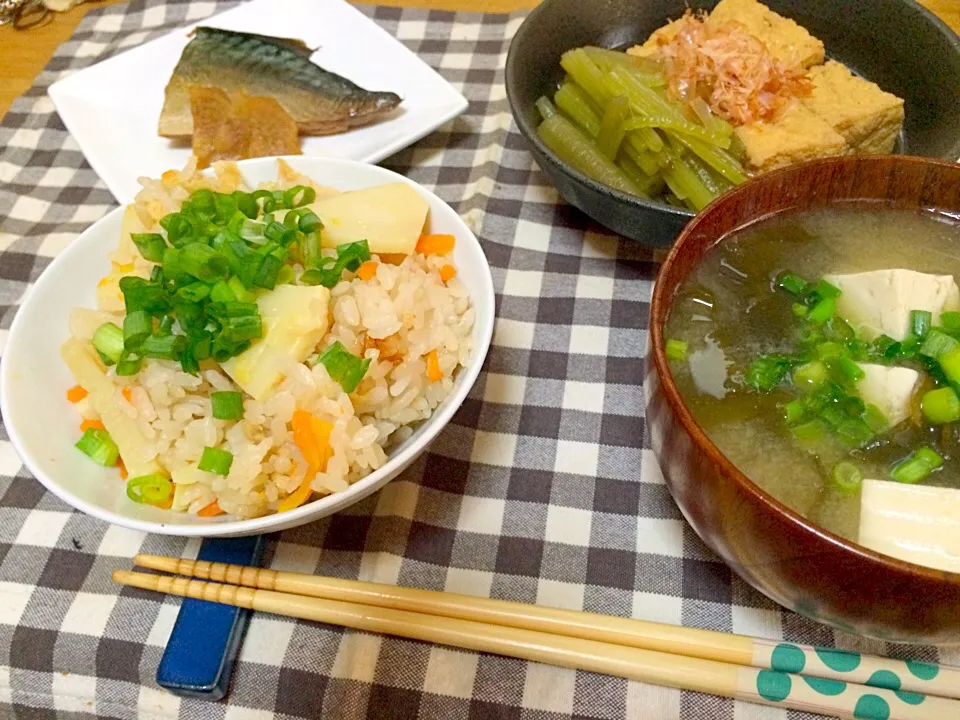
867,117
649,48
796,135
786,40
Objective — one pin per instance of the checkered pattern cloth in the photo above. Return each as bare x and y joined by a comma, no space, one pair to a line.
542,489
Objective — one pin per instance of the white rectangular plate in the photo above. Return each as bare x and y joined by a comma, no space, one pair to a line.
112,108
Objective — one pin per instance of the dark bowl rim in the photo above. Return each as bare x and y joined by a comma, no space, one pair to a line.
531,136
661,304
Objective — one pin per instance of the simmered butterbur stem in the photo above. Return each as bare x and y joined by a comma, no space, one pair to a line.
611,127
646,102
571,145
572,100
647,71
574,103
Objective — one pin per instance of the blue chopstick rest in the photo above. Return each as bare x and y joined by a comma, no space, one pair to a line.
206,637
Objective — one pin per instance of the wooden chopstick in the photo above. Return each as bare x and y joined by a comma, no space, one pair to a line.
845,700
827,663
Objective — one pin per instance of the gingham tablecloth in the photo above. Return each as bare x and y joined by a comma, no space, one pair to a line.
542,489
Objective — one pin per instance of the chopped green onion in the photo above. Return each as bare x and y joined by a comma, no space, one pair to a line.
950,320
214,460
349,257
227,405
937,343
202,203
171,264
799,310
830,349
138,294
841,329
203,262
855,432
246,204
766,372
950,364
280,233
353,254
99,447
221,292
225,207
299,195
129,365
833,415
286,276
108,340
310,222
311,277
239,329
292,218
848,368
150,245
250,230
310,250
179,229
941,406
188,361
202,346
846,476
234,309
223,349
164,347
266,276
194,292
917,466
909,346
153,489
810,374
792,283
920,321
241,293
875,419
825,290
793,412
344,367
676,350
853,406
137,327
106,361
822,311
808,432
809,335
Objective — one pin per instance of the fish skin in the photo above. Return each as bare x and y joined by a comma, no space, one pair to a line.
321,102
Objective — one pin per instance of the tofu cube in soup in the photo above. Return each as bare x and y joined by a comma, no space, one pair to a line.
785,39
868,118
916,523
294,320
879,302
794,136
891,389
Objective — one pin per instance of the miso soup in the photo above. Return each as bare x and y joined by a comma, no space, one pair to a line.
820,351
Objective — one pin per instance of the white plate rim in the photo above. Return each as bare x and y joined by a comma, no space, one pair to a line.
61,94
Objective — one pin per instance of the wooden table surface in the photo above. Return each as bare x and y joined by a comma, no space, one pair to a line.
23,54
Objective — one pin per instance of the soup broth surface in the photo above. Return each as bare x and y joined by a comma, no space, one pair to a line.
730,311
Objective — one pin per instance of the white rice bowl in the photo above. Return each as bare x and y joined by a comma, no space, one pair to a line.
394,319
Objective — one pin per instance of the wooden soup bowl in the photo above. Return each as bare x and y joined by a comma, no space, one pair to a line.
789,559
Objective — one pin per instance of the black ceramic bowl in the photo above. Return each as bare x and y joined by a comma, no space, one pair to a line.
897,44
